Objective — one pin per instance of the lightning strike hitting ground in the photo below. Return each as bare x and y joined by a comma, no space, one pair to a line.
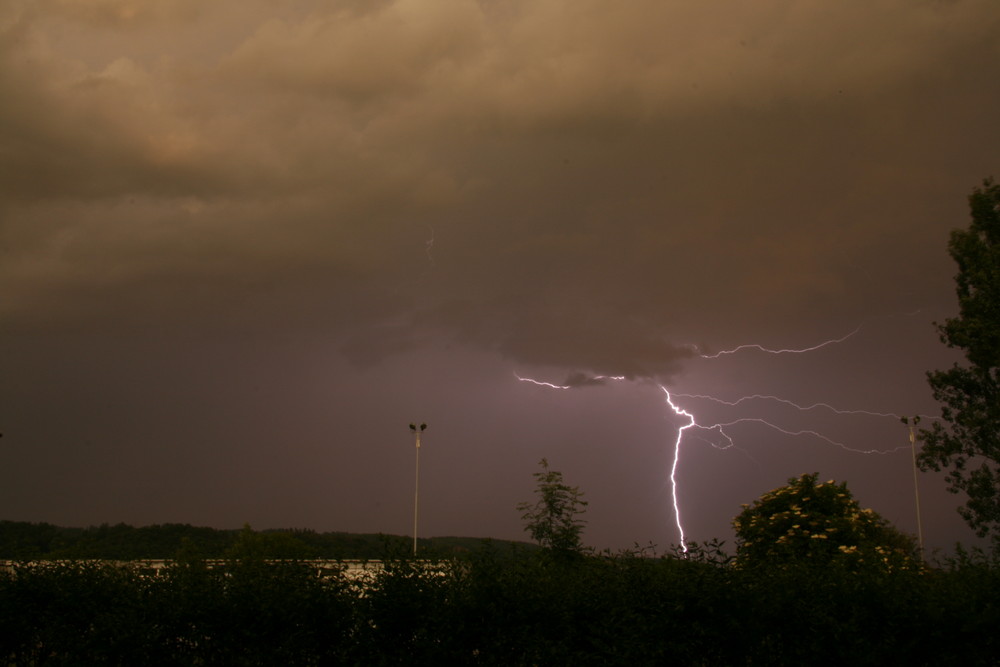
677,457
722,439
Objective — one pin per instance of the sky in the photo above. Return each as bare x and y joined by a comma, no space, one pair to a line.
244,244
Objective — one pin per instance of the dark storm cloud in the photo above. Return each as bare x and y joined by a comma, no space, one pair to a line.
123,14
619,153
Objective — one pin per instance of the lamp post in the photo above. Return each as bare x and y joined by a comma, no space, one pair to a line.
416,482
916,488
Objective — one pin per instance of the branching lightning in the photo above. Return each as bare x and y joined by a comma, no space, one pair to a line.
720,428
721,439
802,408
785,401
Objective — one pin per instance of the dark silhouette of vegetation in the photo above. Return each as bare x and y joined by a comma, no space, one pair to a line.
966,441
41,541
793,602
819,523
553,520
495,608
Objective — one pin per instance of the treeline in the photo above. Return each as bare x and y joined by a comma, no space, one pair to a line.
42,541
533,608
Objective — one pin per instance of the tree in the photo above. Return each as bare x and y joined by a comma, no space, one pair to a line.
553,520
967,438
276,545
809,523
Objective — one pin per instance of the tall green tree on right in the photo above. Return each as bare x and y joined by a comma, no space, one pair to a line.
967,438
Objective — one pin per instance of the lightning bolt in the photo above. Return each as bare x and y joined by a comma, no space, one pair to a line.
585,381
721,426
677,444
540,383
761,348
802,408
722,439
785,401
692,423
677,458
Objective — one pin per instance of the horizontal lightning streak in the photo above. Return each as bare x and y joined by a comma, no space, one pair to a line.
587,381
809,432
543,384
802,408
755,346
785,401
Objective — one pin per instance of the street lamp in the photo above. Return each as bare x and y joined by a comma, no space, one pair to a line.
416,485
916,488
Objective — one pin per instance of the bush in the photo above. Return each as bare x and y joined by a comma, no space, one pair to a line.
527,607
806,523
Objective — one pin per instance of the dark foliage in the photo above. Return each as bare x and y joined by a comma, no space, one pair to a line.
494,607
554,519
35,541
819,522
966,442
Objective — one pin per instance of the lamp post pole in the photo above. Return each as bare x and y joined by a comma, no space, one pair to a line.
416,481
912,426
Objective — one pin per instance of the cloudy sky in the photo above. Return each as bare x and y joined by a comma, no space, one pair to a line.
244,244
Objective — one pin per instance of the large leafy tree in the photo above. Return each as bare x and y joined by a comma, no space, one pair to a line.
553,520
810,523
967,438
